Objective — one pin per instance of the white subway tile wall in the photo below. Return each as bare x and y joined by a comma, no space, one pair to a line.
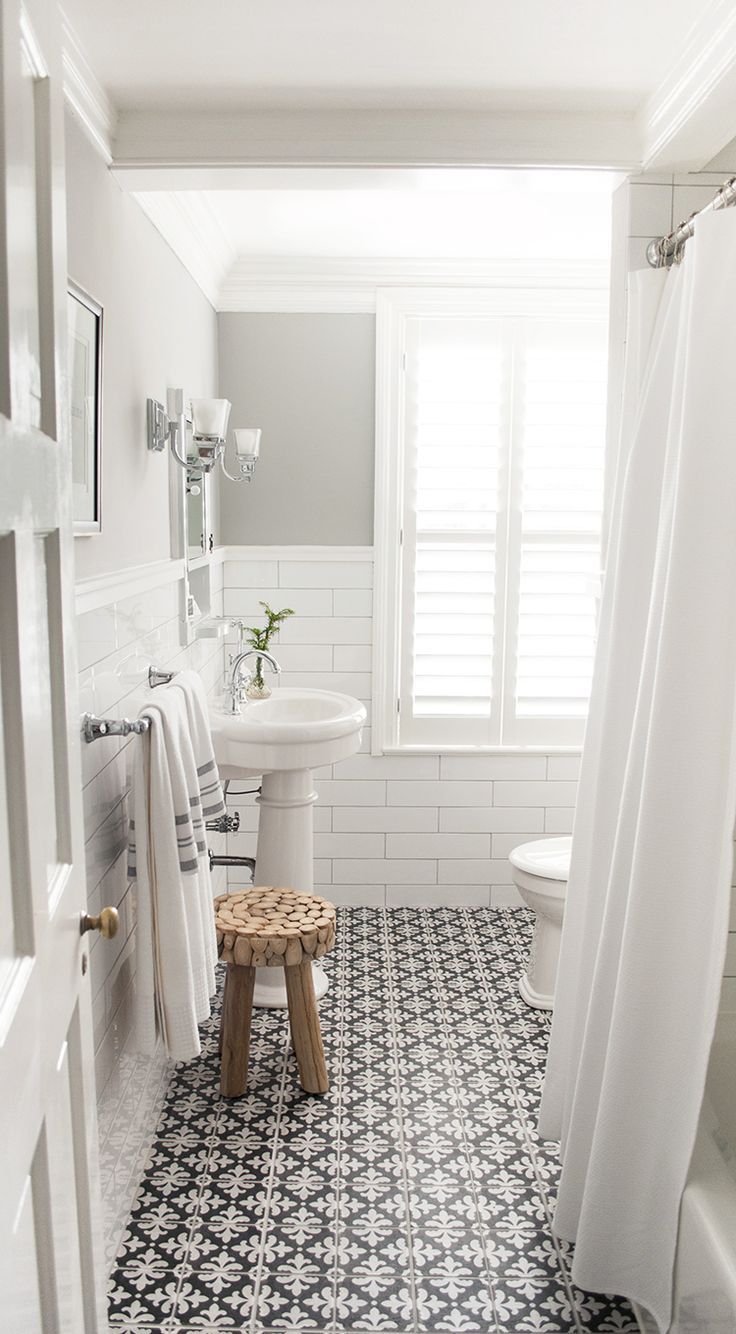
116,644
656,206
410,830
392,829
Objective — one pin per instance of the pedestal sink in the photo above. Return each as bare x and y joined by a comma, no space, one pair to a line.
284,738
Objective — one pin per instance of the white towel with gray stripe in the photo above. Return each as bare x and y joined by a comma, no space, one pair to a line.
175,781
195,699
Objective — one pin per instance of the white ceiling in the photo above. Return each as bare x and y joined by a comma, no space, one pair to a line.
491,214
257,133
500,54
336,243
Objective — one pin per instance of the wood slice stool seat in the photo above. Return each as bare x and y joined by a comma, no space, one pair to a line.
269,928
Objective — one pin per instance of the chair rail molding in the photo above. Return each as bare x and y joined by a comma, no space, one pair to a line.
101,589
292,553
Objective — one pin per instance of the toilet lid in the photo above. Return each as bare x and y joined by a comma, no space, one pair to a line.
545,857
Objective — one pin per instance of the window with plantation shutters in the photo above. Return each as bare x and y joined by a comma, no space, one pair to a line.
495,446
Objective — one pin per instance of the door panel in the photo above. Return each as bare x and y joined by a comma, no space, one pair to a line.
20,1284
50,1239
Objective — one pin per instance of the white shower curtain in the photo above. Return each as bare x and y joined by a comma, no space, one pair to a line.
646,917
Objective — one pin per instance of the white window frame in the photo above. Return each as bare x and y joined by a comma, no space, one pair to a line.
535,291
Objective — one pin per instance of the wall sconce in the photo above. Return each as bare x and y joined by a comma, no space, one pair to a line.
209,424
247,448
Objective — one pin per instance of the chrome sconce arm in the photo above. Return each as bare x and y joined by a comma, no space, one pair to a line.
246,472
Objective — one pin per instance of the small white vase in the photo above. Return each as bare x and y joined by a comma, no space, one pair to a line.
255,690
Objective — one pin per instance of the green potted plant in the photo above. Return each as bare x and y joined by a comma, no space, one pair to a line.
260,638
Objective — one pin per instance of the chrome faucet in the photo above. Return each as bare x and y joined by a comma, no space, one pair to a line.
236,685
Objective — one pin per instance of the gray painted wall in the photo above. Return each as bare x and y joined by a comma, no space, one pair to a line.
309,382
159,330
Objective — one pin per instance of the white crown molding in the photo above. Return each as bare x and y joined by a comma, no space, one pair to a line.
690,117
370,138
191,226
301,553
102,589
85,94
342,285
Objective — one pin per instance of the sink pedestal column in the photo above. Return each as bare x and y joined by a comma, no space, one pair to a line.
285,858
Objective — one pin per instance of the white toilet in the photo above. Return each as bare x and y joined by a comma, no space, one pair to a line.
539,871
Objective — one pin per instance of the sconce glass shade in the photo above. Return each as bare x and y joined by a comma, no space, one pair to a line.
210,417
247,442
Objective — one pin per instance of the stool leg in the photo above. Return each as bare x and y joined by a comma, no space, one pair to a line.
236,1018
222,1009
305,1031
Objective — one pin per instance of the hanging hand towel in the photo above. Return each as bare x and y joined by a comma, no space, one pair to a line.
210,790
211,801
167,856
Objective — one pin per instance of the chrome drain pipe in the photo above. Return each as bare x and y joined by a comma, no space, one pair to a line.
229,859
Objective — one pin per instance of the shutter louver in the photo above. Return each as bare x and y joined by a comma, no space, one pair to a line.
453,630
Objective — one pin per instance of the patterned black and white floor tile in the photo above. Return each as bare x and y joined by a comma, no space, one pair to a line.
415,1196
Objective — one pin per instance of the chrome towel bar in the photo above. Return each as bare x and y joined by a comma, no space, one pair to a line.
93,728
157,677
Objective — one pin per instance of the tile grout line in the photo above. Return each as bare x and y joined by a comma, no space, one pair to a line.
457,1089
391,991
204,1183
521,1112
340,988
167,1078
252,1324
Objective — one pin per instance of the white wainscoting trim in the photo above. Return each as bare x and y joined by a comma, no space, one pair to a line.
85,94
477,750
102,589
689,119
314,553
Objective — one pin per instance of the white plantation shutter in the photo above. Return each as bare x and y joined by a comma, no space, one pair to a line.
561,443
456,427
502,435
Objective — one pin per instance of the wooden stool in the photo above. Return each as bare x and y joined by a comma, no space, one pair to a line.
269,928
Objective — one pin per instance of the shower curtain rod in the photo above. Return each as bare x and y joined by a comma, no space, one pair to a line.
666,250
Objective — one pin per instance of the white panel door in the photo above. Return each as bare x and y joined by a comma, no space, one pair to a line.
50,1254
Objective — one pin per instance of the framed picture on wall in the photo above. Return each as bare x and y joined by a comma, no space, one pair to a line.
85,396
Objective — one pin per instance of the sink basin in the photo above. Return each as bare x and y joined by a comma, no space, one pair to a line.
294,729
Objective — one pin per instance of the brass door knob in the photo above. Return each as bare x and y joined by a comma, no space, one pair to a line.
107,923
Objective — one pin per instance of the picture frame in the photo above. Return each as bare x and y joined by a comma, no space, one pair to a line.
84,316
